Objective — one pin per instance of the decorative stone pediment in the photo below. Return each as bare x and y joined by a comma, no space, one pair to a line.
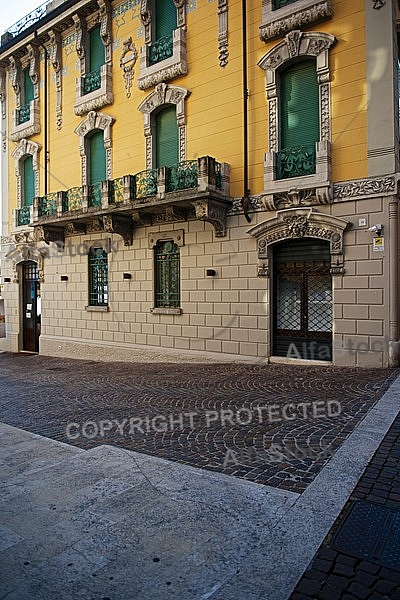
300,223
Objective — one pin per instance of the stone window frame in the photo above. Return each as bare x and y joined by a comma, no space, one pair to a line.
103,96
297,45
90,246
295,223
95,121
178,237
164,95
17,65
26,148
302,13
175,65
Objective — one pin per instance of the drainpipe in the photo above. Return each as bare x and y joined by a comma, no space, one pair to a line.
45,132
393,284
245,201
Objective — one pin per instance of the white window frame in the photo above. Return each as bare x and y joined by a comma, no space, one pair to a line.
175,65
296,45
302,13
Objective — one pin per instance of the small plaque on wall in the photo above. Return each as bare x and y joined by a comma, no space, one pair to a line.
379,244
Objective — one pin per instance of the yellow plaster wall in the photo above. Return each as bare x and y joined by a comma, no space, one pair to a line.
215,105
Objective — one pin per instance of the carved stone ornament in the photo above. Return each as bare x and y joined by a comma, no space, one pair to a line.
121,225
170,215
127,62
212,212
223,32
296,223
49,233
56,62
359,188
139,217
24,251
377,4
303,13
75,229
3,91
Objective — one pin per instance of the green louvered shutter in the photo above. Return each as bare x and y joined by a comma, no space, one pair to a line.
29,181
165,18
97,51
299,105
97,158
167,138
28,87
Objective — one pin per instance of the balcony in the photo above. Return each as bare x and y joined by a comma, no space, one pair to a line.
191,189
91,82
24,114
23,216
160,50
296,162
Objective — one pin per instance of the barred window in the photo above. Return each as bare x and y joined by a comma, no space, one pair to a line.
98,277
167,274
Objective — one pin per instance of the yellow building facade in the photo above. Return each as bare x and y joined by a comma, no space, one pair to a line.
202,176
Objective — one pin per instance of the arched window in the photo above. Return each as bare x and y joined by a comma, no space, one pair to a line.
98,277
167,143
28,181
299,120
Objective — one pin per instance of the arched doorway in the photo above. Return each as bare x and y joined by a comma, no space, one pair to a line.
302,299
31,306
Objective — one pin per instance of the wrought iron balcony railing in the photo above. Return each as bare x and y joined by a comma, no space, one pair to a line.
132,191
47,205
23,216
161,49
73,200
94,195
24,113
182,176
281,3
25,22
146,183
296,162
92,81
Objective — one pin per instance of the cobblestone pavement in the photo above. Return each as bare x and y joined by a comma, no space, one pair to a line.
272,424
336,575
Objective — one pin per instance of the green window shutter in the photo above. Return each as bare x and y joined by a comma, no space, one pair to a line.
299,105
29,181
97,50
28,87
165,18
97,158
167,138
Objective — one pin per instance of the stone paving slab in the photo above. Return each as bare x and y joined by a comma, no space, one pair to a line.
112,523
150,529
271,424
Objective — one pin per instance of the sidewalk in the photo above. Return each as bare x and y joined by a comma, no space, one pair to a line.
360,556
105,522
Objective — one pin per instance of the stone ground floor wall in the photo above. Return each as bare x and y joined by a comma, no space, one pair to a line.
226,314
